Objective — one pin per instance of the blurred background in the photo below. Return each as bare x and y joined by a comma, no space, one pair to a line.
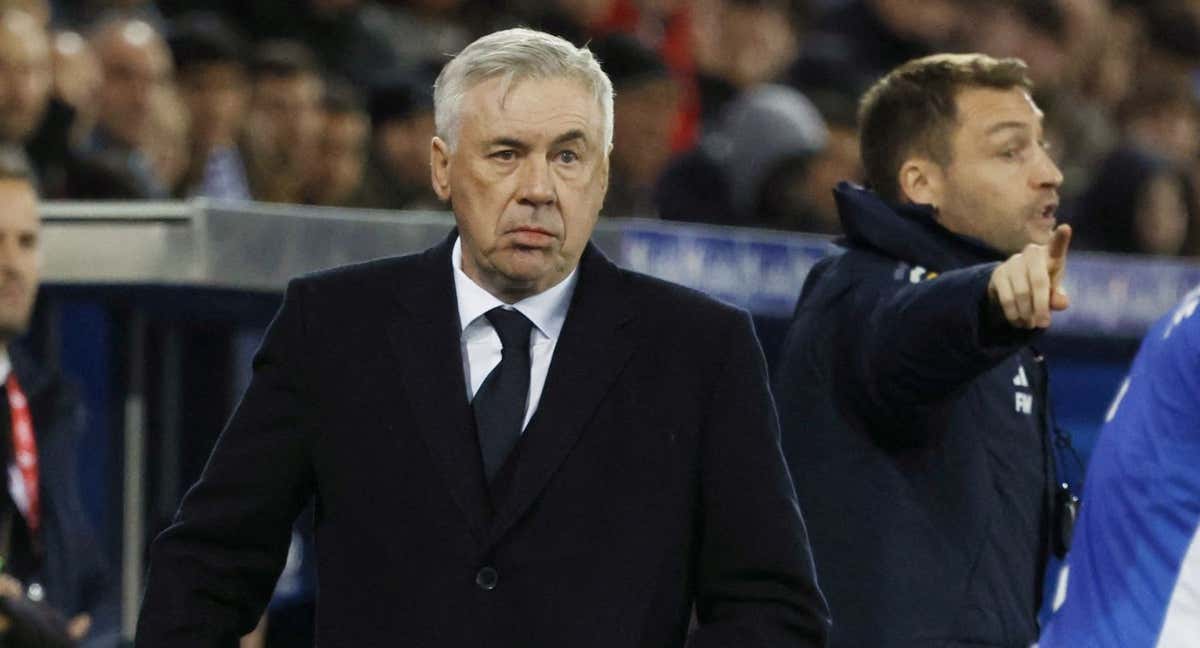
246,141
735,112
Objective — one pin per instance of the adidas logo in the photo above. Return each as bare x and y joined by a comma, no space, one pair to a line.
1024,400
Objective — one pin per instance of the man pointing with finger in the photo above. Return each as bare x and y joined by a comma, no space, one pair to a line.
913,405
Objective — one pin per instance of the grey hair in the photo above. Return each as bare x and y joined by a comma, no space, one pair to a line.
516,55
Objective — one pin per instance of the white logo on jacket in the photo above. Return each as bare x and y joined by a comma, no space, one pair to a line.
1024,399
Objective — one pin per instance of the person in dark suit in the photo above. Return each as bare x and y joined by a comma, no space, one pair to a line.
54,588
510,441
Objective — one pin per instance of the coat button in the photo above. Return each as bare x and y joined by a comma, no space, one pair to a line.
487,578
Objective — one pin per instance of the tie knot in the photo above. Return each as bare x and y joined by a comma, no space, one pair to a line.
512,327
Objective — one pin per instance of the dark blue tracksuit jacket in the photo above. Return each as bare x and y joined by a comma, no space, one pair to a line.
915,423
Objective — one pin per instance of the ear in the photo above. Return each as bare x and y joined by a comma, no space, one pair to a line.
439,168
921,181
604,172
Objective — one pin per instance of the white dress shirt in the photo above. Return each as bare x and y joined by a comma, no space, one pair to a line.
480,344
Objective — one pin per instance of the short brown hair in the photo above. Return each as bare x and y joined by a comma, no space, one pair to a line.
912,109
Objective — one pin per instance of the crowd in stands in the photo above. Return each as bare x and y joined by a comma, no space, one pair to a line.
738,112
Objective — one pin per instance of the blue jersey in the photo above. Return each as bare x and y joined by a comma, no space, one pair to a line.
1133,575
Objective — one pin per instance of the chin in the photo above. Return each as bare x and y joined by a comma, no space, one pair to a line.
518,273
1040,235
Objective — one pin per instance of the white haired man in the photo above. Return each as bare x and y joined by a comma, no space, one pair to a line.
511,441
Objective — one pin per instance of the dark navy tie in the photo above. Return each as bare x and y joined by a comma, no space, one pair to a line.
500,402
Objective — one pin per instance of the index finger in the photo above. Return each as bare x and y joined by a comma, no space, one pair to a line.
1059,243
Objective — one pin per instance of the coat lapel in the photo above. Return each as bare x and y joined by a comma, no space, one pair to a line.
594,346
425,335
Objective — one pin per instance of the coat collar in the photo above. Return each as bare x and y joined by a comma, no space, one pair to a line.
906,232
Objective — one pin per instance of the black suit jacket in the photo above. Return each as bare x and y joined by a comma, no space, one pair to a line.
650,479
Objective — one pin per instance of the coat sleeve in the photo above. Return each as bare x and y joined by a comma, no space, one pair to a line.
213,570
907,348
756,584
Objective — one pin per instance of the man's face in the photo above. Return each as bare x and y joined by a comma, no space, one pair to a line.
24,78
216,95
1161,221
402,146
526,181
136,67
642,134
1000,186
285,118
342,156
20,259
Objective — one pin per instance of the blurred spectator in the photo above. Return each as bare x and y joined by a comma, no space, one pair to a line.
169,145
574,20
114,156
77,73
402,129
70,113
1032,30
808,203
39,10
1109,74
211,61
424,29
857,42
1173,39
646,102
340,164
354,39
284,120
1164,119
1138,204
25,78
738,45
746,172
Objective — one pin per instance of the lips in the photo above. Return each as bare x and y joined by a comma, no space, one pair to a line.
532,236
1047,211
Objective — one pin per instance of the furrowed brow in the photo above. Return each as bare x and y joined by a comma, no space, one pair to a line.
507,142
570,136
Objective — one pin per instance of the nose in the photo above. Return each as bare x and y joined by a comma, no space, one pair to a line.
1047,174
537,187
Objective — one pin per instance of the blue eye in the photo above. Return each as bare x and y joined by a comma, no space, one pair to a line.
568,157
507,155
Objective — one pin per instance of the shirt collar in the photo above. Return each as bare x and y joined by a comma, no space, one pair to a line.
547,309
